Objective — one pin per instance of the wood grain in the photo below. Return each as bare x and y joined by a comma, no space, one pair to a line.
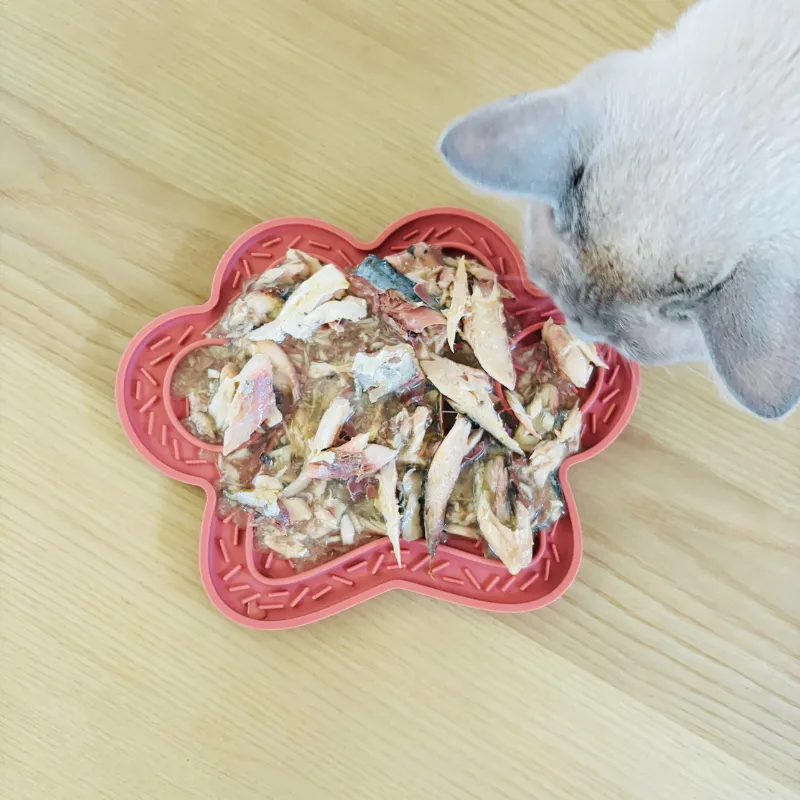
139,138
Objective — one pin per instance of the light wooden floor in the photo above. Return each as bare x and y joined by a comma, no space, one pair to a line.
142,136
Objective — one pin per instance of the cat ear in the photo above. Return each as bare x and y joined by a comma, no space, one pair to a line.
751,324
525,145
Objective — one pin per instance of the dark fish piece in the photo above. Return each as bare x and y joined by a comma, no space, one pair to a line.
382,275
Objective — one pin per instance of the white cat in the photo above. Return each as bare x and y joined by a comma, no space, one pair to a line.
664,194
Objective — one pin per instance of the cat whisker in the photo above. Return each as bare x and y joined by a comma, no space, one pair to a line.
702,374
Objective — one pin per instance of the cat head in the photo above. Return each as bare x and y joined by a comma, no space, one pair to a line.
633,231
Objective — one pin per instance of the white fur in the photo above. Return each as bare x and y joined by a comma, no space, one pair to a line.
710,117
690,199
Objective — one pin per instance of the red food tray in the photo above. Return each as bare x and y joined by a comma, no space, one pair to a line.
262,590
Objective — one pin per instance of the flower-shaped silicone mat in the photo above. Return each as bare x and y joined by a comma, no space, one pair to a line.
262,590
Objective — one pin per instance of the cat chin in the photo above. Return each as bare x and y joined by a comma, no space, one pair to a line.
649,359
664,350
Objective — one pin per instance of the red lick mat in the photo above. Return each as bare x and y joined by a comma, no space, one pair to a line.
262,590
